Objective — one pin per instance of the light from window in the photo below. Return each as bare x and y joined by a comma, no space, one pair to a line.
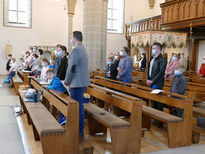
115,16
17,13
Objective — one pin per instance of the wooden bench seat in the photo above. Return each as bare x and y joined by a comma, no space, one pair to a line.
125,136
44,122
16,82
108,119
161,116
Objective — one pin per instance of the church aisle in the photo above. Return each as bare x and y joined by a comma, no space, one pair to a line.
10,136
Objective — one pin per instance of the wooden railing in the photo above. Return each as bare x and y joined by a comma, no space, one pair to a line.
183,14
147,24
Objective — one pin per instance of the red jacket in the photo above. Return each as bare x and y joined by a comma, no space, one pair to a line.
202,70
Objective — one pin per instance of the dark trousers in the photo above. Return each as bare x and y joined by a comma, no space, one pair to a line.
157,105
77,94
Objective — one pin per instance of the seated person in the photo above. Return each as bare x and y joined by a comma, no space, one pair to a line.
12,71
56,84
202,68
45,67
52,62
8,62
178,86
108,67
169,73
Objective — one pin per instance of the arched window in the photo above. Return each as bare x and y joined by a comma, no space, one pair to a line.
17,13
115,17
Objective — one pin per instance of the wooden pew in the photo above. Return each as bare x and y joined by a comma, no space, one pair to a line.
16,82
24,76
179,129
125,136
50,102
54,138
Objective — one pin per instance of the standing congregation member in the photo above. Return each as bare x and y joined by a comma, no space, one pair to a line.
77,76
125,66
52,62
112,74
183,61
156,71
143,62
58,57
8,62
202,68
178,86
169,73
108,67
61,73
45,67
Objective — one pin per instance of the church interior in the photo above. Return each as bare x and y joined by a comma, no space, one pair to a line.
102,76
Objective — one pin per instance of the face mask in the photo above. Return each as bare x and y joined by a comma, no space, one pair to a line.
11,62
44,64
203,61
34,50
116,57
9,58
71,43
109,62
27,55
21,61
177,73
121,53
60,53
174,58
154,52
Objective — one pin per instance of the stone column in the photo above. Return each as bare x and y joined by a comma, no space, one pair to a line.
95,32
70,29
71,12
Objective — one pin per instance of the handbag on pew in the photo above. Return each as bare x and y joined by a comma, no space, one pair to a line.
32,95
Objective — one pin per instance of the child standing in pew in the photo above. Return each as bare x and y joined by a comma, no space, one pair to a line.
56,84
11,73
45,67
178,86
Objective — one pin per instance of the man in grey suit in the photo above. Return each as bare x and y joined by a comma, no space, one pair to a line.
77,76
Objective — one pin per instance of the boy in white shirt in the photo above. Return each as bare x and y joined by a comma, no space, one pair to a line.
12,71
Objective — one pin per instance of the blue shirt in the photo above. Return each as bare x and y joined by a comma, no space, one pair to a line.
52,66
56,84
126,66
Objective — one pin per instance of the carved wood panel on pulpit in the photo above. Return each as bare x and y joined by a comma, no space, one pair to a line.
180,13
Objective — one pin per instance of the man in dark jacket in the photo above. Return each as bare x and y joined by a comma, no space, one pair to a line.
156,71
8,62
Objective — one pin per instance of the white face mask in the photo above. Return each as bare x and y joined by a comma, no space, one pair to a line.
121,53
116,57
203,61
